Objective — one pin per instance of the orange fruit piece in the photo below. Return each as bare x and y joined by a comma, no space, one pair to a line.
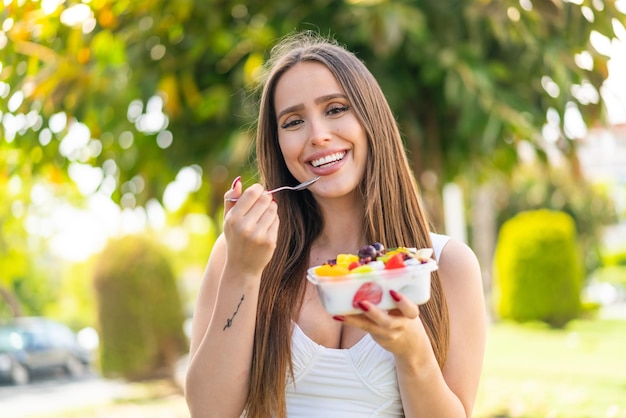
331,270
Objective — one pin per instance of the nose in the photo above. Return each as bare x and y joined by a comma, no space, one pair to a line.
319,131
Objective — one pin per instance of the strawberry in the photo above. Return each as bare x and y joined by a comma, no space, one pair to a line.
395,262
370,291
353,265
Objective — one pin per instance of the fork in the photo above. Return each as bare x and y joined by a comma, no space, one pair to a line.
300,186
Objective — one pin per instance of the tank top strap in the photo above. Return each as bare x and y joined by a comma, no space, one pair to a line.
439,241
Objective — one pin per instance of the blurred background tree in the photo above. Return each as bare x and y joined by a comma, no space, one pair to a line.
140,317
134,96
534,186
160,85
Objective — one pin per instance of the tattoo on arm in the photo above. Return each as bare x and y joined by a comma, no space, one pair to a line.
229,321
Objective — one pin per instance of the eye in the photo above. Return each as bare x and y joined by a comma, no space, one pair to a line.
291,122
337,109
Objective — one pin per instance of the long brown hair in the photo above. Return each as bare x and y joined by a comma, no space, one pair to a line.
393,214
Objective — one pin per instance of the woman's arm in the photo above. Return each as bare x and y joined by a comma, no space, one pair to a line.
426,391
463,287
225,313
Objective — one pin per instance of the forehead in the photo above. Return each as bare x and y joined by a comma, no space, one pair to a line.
303,83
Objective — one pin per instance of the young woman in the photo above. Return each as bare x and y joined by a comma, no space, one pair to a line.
262,344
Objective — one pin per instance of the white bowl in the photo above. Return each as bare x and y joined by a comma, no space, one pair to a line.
337,293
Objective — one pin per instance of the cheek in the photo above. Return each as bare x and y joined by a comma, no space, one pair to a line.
289,150
286,146
362,143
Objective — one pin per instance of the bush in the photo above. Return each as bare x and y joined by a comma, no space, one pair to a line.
139,311
536,186
538,270
614,258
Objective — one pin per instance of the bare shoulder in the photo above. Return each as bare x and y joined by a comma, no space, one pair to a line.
458,266
461,278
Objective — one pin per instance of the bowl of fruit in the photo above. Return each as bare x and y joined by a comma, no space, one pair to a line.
370,274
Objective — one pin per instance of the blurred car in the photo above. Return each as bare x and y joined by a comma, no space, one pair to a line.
33,345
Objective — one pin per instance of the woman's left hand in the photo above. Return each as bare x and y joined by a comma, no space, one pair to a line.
399,331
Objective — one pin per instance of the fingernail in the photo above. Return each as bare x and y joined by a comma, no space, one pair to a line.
395,295
237,180
339,318
363,307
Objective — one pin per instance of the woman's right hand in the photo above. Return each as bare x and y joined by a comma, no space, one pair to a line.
250,227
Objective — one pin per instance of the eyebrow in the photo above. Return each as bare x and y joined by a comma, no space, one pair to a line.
321,99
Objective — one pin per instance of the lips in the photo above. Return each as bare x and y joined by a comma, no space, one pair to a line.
328,159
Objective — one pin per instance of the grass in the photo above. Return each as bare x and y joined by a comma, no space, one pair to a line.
530,371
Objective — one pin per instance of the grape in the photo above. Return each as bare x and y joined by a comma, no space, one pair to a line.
378,246
367,251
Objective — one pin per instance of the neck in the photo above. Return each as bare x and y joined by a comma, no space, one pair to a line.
343,228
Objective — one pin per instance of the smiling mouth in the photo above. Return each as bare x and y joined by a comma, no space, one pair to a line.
329,159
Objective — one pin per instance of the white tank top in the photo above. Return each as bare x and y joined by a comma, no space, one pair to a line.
356,382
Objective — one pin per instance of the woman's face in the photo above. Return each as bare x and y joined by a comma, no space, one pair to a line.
318,131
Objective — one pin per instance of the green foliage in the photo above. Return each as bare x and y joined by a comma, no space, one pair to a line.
615,258
75,303
27,282
615,275
534,186
537,268
35,292
28,272
139,310
189,260
613,268
465,78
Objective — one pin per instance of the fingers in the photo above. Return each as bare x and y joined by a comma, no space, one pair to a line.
233,192
405,306
254,211
250,225
398,330
246,200
374,319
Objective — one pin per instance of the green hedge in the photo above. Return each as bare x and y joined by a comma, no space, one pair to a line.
538,269
139,311
614,258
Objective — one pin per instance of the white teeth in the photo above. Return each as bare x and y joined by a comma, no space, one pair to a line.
328,159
